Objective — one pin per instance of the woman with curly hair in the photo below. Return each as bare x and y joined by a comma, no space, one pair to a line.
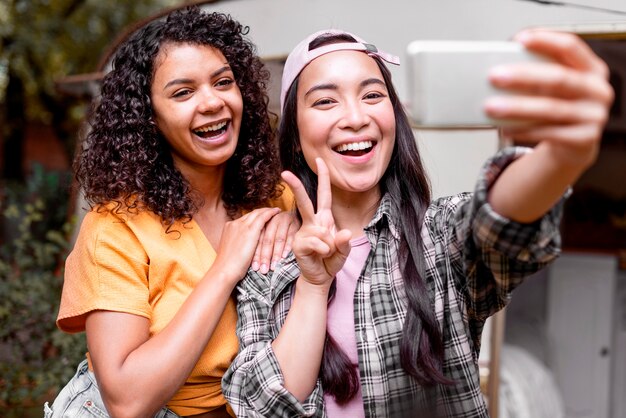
182,175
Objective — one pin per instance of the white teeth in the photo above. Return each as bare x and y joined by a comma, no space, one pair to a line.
211,128
354,146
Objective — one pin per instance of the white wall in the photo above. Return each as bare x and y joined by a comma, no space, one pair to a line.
581,291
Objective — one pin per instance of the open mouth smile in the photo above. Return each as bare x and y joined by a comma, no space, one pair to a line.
211,130
355,149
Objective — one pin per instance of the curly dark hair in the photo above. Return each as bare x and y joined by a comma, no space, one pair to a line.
125,160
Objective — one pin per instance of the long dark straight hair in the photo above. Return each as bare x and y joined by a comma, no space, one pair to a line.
408,187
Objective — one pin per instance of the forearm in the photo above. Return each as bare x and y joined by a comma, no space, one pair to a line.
300,343
530,186
140,373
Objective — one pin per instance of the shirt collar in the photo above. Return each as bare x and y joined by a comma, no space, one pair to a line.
386,213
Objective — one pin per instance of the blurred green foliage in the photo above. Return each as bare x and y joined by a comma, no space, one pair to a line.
42,41
36,358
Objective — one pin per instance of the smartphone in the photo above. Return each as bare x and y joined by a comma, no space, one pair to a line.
448,81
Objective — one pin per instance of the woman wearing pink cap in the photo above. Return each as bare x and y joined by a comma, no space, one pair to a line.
379,309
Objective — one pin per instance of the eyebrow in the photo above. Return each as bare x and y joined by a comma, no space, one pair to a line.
333,86
215,73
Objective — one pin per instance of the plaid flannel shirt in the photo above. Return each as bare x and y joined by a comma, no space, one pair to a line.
474,258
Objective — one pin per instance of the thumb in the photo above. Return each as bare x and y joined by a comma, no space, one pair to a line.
335,262
342,242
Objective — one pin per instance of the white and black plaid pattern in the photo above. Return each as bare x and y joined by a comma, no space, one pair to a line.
474,259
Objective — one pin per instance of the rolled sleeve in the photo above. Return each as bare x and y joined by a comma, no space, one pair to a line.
534,243
254,384
499,253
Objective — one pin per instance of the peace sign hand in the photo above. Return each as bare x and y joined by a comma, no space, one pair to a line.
320,250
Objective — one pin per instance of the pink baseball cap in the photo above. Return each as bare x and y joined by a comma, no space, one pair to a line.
301,56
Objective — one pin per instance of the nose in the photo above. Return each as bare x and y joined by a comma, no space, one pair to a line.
355,116
209,101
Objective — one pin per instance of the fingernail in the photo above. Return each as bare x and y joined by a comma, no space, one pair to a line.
264,268
496,105
522,36
499,73
286,253
273,265
255,266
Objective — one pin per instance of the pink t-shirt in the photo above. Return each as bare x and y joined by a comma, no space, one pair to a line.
340,323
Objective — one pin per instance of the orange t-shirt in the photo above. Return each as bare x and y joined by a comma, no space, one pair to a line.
128,263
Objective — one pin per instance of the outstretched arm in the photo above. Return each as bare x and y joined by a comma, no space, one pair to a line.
566,103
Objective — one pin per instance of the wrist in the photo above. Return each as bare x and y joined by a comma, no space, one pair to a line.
573,158
222,278
303,286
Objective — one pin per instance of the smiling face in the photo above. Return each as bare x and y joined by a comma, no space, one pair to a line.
345,117
197,106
